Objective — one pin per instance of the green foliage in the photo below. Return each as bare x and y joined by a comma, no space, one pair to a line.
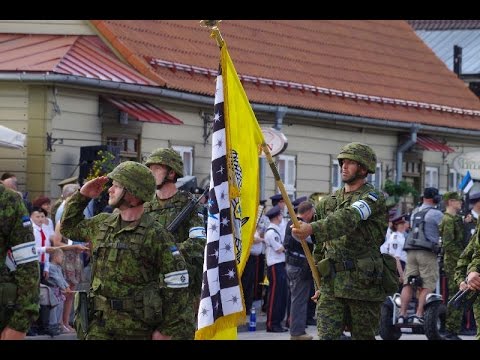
398,190
103,165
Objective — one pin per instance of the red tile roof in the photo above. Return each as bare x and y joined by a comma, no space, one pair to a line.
377,69
85,56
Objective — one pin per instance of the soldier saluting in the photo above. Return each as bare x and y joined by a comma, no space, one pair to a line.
139,279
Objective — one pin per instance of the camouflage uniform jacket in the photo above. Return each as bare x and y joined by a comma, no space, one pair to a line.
451,231
190,236
16,229
139,265
464,260
474,264
352,230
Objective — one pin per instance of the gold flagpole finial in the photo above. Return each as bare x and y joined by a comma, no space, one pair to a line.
213,25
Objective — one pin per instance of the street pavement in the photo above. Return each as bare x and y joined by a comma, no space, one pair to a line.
260,333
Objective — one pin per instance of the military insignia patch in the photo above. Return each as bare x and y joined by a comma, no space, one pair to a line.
372,196
174,250
177,279
363,209
26,221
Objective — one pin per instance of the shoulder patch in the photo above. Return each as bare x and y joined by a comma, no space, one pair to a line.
26,221
363,209
174,250
372,196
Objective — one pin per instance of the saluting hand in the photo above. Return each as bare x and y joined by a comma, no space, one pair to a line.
93,188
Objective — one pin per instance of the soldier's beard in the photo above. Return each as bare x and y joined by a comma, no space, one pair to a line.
358,175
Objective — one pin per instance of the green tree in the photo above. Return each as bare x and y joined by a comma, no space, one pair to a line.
396,191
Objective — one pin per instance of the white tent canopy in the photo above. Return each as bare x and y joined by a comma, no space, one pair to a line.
11,139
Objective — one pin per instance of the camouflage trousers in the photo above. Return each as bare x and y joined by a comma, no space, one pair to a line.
453,322
334,314
476,314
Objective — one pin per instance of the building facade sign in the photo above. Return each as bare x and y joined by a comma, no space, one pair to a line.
468,162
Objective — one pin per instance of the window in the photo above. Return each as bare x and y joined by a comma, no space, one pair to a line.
287,168
128,146
336,176
186,153
376,179
431,176
454,178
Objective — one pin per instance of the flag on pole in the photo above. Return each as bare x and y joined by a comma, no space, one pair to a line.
467,183
232,205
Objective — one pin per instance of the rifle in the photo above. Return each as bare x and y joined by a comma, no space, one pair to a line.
463,298
182,215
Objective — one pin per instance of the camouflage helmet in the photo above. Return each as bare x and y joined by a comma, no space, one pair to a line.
136,178
361,153
168,157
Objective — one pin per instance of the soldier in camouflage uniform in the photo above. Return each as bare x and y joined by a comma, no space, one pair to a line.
460,276
19,289
139,284
166,166
347,254
451,230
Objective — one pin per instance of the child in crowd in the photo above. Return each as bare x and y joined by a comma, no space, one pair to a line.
60,287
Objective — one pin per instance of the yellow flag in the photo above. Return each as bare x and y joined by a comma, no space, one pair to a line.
232,206
244,138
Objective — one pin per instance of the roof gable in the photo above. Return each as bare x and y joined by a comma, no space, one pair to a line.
85,56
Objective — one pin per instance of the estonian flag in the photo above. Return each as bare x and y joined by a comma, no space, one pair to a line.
467,183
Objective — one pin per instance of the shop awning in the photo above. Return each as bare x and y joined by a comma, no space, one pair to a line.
143,111
11,139
431,144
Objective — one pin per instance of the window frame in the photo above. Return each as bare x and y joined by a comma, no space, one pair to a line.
336,172
376,179
288,171
429,173
187,164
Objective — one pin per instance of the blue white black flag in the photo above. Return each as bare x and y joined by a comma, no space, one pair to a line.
467,183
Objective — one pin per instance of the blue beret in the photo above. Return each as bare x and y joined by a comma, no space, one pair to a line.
276,197
299,200
474,197
274,211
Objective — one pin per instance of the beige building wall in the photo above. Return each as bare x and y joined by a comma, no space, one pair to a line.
315,148
14,115
189,134
75,123
62,27
38,159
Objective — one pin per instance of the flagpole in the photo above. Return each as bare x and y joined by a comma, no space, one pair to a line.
213,25
293,216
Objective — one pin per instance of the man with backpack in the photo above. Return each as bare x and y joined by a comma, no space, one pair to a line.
422,247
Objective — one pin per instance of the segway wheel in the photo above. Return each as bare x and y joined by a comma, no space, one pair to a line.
387,330
432,320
